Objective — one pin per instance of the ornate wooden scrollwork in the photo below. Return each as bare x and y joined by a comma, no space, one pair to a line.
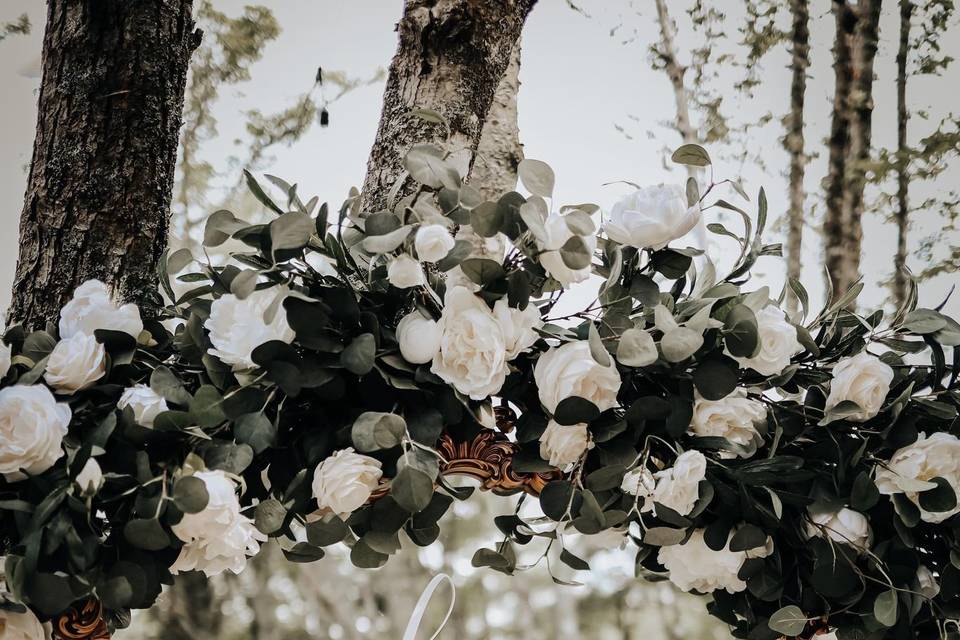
82,621
488,457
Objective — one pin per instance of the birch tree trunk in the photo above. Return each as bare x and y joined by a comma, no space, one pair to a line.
675,71
98,193
450,58
900,278
855,50
793,141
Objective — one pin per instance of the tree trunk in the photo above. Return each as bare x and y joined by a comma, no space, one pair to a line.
836,253
900,277
450,58
499,153
675,71
793,141
98,193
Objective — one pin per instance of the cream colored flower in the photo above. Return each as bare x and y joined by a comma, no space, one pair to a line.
344,482
778,343
219,538
237,327
145,403
518,327
418,337
92,308
650,218
76,363
433,242
693,566
90,478
562,445
570,370
844,525
20,626
404,272
863,379
911,469
32,427
472,355
557,233
734,417
678,488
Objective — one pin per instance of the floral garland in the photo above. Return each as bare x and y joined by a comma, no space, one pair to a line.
803,472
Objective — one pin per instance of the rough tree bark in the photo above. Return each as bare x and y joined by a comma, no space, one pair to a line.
793,141
98,193
900,277
450,58
499,152
854,52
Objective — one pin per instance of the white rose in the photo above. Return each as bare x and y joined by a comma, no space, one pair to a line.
639,482
695,566
863,379
32,427
92,308
912,467
562,445
146,404
433,242
76,363
343,482
219,537
404,272
20,626
556,235
928,584
472,355
678,488
419,338
845,526
650,218
90,478
570,370
777,343
519,327
734,417
237,327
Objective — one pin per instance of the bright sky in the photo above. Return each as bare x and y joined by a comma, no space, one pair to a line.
580,75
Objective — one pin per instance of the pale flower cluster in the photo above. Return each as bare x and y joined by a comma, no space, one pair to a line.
561,445
570,370
844,526
863,379
343,482
735,417
677,487
219,538
911,468
693,566
32,427
238,326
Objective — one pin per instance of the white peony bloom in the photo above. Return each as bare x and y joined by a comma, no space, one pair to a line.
146,404
92,308
237,327
519,327
912,467
639,482
20,626
778,343
472,355
863,379
928,584
419,338
561,445
557,233
678,488
219,537
343,482
695,566
404,272
433,242
844,526
734,417
32,427
650,218
570,370
90,478
76,363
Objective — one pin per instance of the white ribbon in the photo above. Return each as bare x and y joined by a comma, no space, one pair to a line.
414,625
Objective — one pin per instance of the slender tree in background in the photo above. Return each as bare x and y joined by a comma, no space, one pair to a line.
793,140
900,275
666,51
855,48
450,59
98,194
